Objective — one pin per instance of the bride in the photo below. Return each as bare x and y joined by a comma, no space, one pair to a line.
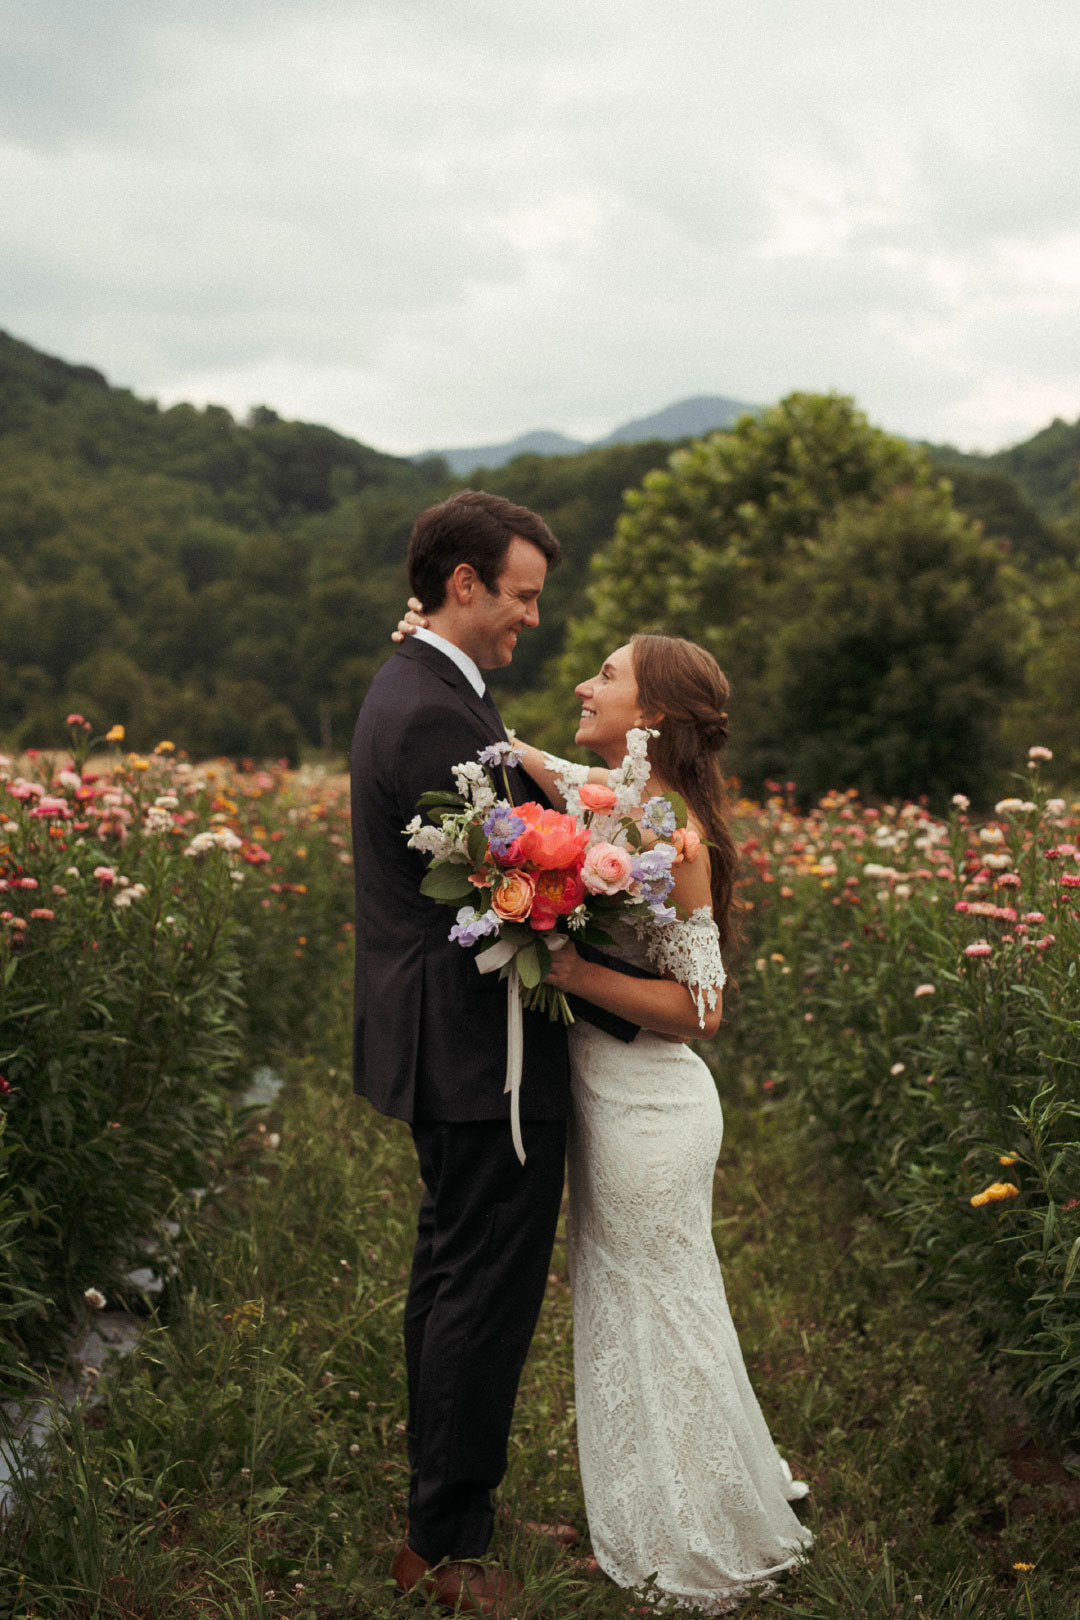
681,1479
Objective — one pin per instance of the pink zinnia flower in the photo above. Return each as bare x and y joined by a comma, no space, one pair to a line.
42,914
1038,752
981,947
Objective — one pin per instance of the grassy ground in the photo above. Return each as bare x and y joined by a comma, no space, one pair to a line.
250,1460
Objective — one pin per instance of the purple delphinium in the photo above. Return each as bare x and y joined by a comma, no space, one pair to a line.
502,826
658,817
499,753
472,925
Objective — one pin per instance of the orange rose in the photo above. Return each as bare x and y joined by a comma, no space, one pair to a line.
550,840
513,899
595,796
557,893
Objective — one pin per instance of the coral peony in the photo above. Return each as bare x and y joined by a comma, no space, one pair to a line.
550,840
557,894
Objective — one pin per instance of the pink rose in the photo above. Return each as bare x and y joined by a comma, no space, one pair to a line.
607,869
595,796
512,900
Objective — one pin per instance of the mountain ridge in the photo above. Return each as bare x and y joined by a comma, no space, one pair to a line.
688,418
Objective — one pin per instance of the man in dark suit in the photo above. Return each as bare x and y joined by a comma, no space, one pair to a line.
430,1043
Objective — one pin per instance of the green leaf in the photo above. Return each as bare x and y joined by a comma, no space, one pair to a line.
528,966
1070,1269
633,831
478,844
446,883
678,804
591,935
441,797
543,956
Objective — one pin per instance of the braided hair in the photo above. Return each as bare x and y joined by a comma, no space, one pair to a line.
685,688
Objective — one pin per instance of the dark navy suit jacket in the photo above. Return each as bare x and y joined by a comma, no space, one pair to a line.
430,1030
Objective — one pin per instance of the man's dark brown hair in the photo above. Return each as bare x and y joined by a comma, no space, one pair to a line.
471,527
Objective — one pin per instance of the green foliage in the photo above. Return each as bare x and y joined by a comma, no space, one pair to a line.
250,1457
869,632
148,942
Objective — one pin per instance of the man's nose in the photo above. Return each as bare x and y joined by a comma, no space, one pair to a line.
532,614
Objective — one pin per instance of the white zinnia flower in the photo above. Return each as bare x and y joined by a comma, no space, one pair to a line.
95,1298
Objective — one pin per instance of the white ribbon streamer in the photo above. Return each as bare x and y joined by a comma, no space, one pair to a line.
503,954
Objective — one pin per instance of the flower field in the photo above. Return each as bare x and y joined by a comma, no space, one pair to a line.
162,926
917,979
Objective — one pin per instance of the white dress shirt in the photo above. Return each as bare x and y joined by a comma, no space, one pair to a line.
466,665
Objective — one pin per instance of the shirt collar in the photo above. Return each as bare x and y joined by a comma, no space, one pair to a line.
466,665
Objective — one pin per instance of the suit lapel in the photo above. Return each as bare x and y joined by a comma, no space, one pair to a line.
458,681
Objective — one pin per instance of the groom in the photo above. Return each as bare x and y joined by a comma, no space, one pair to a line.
430,1043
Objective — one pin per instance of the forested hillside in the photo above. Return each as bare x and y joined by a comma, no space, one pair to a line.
230,585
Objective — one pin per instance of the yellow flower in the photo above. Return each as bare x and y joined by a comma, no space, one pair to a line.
115,734
139,764
1025,1569
996,1193
776,956
165,748
1008,1158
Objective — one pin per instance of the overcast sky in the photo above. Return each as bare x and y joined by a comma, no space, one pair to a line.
445,222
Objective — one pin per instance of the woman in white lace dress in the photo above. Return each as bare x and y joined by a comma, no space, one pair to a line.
682,1481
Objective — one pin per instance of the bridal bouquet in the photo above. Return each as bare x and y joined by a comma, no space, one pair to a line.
533,877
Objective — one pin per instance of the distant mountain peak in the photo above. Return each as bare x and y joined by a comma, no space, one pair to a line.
685,419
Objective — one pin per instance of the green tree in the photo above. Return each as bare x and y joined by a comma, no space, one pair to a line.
753,543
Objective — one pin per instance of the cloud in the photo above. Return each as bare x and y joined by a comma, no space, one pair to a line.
433,225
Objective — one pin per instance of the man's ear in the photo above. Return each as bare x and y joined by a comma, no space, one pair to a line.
463,582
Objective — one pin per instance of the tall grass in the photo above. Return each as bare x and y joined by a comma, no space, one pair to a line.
250,1460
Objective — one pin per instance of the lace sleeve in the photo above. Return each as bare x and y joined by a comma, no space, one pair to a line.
568,779
689,952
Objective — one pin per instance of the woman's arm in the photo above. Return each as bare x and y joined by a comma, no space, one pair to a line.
545,772
660,1005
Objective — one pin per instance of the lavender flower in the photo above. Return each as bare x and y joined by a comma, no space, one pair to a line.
472,925
652,870
502,827
499,753
658,817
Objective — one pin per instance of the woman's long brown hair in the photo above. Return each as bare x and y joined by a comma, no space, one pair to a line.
684,686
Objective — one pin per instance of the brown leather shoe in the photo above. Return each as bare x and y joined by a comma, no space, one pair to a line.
467,1587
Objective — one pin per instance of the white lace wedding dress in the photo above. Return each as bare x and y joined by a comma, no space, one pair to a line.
681,1477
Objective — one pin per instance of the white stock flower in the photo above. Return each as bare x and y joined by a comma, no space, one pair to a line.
95,1298
961,801
997,862
991,835
473,782
430,840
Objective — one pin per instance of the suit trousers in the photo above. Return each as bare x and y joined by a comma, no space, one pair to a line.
483,1249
